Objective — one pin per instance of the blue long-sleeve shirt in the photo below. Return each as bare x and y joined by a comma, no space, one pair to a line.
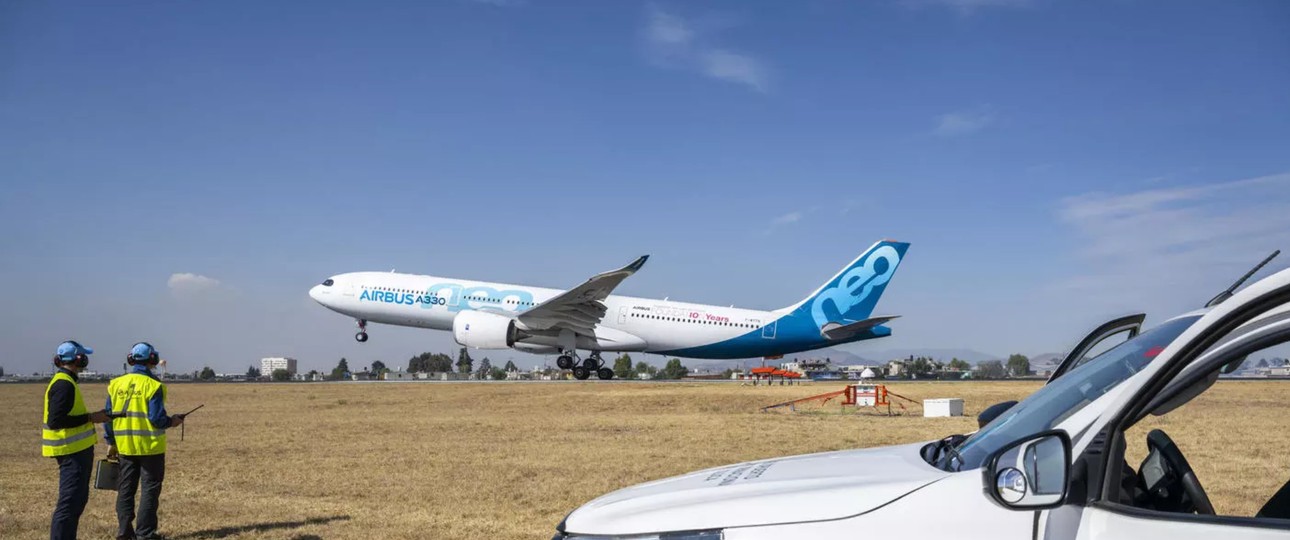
156,407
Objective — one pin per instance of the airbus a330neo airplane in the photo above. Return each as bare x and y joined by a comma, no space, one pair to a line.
544,321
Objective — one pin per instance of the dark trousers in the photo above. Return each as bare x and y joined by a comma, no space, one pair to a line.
136,470
73,493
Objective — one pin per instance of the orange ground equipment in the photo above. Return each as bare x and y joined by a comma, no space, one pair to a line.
854,395
770,374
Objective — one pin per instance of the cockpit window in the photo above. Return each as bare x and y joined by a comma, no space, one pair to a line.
328,283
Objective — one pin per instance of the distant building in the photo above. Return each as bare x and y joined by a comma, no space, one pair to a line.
809,365
397,375
823,369
895,368
269,365
703,376
438,375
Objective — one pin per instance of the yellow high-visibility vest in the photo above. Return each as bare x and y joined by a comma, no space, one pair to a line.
63,442
135,435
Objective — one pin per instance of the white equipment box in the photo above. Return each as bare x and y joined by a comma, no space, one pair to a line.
943,407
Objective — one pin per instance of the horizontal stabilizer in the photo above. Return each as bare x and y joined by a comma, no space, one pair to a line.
834,331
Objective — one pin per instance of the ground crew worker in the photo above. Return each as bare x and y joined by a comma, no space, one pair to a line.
138,437
68,436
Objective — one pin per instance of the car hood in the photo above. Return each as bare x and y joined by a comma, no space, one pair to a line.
810,487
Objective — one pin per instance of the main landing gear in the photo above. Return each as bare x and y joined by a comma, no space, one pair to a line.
361,336
582,371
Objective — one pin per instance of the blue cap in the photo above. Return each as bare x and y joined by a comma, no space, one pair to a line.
68,350
142,351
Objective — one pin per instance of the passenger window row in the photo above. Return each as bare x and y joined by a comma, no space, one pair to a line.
693,321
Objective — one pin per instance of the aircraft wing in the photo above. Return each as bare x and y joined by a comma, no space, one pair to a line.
580,308
833,330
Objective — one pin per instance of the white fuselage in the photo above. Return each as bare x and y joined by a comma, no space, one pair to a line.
630,324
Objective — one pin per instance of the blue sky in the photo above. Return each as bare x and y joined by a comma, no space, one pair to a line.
184,172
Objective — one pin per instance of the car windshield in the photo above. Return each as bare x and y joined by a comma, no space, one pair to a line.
1065,396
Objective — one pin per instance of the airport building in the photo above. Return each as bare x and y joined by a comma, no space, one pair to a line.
825,370
269,365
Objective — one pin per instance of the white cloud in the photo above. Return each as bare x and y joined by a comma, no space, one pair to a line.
188,282
1173,248
964,122
969,6
673,42
665,29
791,217
735,67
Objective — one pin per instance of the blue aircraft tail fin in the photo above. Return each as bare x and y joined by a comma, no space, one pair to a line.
851,295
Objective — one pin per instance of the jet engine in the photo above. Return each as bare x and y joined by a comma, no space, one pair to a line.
484,330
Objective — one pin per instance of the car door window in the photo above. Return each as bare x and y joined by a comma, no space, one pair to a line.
1224,418
1234,438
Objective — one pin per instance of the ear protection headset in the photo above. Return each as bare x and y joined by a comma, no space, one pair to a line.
152,357
81,359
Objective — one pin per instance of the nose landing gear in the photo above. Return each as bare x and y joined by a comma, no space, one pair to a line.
361,336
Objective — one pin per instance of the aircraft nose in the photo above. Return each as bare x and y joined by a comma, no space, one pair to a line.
322,292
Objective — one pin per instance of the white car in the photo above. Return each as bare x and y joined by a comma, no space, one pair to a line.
1050,467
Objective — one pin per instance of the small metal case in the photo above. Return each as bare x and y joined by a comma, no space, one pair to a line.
106,477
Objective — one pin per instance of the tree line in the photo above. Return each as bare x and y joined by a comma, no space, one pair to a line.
624,369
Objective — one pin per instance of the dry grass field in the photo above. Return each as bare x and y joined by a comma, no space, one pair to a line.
508,461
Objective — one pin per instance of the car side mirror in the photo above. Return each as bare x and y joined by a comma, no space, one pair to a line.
992,412
1030,474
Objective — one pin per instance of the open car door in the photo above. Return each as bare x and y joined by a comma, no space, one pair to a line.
1129,325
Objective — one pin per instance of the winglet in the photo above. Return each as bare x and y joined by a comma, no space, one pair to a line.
637,264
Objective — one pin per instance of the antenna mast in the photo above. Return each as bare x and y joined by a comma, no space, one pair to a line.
1228,293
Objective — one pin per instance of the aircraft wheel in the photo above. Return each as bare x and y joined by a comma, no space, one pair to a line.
592,363
564,362
605,373
581,373
361,337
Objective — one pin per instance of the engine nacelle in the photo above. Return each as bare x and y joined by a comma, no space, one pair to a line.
484,330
